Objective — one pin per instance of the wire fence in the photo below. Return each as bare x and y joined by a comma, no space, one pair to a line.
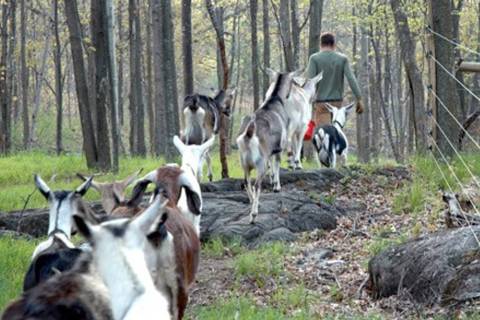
436,150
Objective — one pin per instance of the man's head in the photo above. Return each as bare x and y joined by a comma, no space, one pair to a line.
327,40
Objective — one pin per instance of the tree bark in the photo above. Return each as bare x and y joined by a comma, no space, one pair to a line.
113,82
254,46
443,24
285,33
188,75
315,26
99,41
160,111
120,63
25,74
149,75
266,45
137,105
414,76
295,34
58,79
363,123
221,47
74,28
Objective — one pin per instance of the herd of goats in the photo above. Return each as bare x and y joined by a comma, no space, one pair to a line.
139,262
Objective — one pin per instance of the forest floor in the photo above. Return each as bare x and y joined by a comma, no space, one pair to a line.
323,275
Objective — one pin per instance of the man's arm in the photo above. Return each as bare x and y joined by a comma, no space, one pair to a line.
352,81
312,68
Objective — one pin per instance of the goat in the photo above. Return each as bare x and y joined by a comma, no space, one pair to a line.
263,137
299,111
202,115
330,140
62,205
77,294
57,253
173,268
110,190
182,181
118,254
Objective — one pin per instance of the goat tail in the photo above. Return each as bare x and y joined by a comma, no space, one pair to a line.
250,130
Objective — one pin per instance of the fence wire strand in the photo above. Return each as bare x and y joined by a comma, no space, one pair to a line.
456,44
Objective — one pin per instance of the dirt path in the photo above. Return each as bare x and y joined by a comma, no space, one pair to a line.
332,265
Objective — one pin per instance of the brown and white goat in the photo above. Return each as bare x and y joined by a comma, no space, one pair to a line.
120,259
202,119
110,190
173,268
263,138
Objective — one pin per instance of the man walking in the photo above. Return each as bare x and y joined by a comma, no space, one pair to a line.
336,68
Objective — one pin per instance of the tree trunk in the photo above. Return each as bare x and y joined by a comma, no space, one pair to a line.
112,82
414,76
99,40
254,46
137,104
363,123
73,22
188,75
266,45
149,75
170,74
223,122
315,26
295,34
160,111
286,34
443,24
120,63
58,79
25,74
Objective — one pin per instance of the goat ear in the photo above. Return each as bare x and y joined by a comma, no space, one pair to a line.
298,81
138,193
95,185
42,186
83,226
194,201
349,107
179,144
159,230
147,218
83,188
330,108
296,73
131,178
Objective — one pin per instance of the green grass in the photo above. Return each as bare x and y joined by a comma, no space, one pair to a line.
217,247
262,263
15,260
428,180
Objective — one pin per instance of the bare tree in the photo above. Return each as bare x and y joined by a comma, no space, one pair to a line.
266,45
315,26
188,75
74,28
57,56
254,46
414,76
25,74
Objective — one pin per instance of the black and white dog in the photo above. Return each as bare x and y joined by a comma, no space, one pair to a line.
330,140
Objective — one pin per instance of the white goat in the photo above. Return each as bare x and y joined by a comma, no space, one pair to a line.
299,110
118,254
330,140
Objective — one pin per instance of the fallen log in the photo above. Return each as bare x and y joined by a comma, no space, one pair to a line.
440,268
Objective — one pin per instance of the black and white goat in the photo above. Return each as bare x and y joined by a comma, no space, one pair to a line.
202,115
263,138
57,253
330,140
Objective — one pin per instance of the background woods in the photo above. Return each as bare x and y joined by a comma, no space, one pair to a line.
113,73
